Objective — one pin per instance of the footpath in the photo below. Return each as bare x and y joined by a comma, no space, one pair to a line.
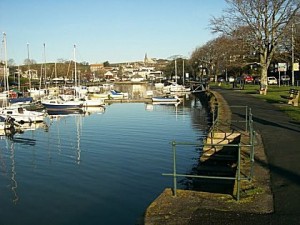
280,138
281,141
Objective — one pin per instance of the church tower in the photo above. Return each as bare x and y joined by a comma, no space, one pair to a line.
146,59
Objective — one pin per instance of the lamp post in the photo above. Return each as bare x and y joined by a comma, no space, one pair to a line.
293,57
293,53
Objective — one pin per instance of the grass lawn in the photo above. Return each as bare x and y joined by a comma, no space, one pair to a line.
273,97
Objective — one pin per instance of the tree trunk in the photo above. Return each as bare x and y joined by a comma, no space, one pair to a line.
263,79
264,74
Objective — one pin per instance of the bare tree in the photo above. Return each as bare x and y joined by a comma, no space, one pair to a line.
267,21
222,54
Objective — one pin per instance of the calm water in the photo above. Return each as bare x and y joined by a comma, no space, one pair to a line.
102,168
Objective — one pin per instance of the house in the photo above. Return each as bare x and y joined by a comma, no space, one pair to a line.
137,78
96,67
109,75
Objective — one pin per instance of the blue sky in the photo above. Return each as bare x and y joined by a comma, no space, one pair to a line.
110,30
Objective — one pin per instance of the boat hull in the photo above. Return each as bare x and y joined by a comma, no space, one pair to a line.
21,115
58,104
61,107
165,99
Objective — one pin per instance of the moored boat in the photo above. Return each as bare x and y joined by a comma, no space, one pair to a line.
166,99
59,104
117,95
174,87
92,102
20,101
22,115
37,93
98,95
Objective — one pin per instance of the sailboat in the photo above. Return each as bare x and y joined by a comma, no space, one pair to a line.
60,104
174,87
39,93
81,91
18,113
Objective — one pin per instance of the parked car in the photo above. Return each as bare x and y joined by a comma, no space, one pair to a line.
272,80
231,79
248,79
221,79
284,78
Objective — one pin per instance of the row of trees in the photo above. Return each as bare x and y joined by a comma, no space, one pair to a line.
252,32
51,70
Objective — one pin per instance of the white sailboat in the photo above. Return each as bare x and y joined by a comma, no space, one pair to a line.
18,113
60,104
174,87
81,92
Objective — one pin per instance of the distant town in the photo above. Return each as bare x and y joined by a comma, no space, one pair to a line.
63,72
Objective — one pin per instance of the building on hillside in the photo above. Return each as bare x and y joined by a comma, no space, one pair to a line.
109,75
137,78
156,75
31,74
96,67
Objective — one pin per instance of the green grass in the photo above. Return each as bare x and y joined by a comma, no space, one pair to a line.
273,97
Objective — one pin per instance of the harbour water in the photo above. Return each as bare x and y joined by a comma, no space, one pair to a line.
101,167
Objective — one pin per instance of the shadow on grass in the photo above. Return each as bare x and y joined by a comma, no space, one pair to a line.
267,122
295,122
274,101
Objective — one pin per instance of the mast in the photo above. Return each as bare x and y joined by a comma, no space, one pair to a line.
45,69
175,70
19,85
183,71
40,86
28,61
55,72
6,83
75,69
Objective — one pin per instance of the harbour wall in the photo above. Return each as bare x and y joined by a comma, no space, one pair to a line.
189,205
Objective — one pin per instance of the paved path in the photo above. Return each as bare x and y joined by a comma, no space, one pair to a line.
281,139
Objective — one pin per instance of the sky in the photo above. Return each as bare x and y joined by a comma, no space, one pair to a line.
105,30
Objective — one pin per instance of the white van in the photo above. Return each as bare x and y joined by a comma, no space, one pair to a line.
272,80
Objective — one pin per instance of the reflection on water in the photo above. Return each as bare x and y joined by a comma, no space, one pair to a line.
23,141
85,167
161,106
33,126
14,183
90,110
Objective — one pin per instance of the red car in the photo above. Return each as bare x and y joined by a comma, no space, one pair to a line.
248,79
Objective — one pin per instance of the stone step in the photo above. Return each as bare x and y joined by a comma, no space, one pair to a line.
224,135
219,138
